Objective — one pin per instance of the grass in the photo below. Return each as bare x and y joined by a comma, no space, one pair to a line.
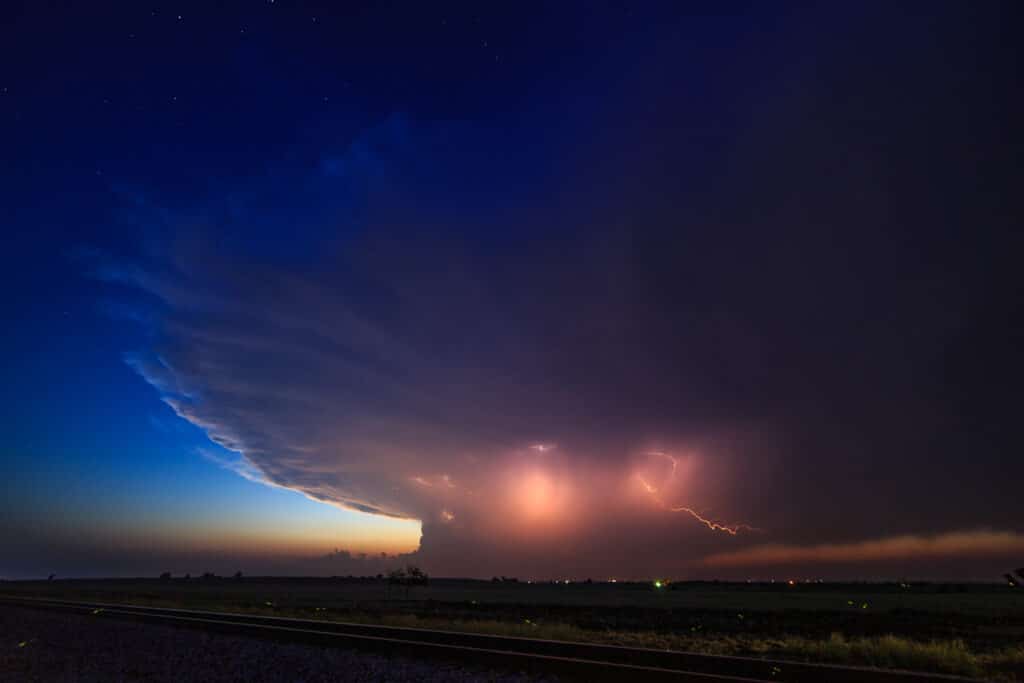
952,656
892,652
888,652
974,631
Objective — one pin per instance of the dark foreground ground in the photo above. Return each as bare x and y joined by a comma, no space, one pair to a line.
37,645
974,630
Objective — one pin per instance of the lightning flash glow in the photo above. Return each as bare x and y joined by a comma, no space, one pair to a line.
539,492
654,493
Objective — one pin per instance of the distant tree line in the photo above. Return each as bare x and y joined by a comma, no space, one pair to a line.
407,578
205,576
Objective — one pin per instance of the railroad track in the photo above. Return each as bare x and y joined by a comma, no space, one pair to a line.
580,661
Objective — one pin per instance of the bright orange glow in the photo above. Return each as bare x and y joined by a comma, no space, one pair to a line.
536,495
539,499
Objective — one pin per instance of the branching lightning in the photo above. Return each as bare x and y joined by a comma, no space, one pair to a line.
731,529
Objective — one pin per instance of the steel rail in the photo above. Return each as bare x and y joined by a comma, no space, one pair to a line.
587,661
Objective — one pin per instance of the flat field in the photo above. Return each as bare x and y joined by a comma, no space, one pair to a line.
967,629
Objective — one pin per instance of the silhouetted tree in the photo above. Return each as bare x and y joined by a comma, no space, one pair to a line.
396,577
238,575
408,577
417,577
51,577
166,576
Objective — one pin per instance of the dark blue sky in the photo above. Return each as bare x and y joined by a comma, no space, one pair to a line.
369,258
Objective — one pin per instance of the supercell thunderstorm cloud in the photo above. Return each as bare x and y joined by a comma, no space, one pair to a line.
555,394
577,294
519,402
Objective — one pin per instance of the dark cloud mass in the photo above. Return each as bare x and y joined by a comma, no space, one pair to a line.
782,341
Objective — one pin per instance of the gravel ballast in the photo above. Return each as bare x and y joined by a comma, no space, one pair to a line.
51,646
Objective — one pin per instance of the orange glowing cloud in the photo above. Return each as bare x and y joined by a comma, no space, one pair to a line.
536,495
951,544
670,465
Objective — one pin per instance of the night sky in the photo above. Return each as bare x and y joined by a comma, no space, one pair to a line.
555,290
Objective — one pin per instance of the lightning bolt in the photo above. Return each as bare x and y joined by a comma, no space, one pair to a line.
731,529
650,489
672,474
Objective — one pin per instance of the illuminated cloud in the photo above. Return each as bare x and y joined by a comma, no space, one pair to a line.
512,379
426,409
236,463
963,544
